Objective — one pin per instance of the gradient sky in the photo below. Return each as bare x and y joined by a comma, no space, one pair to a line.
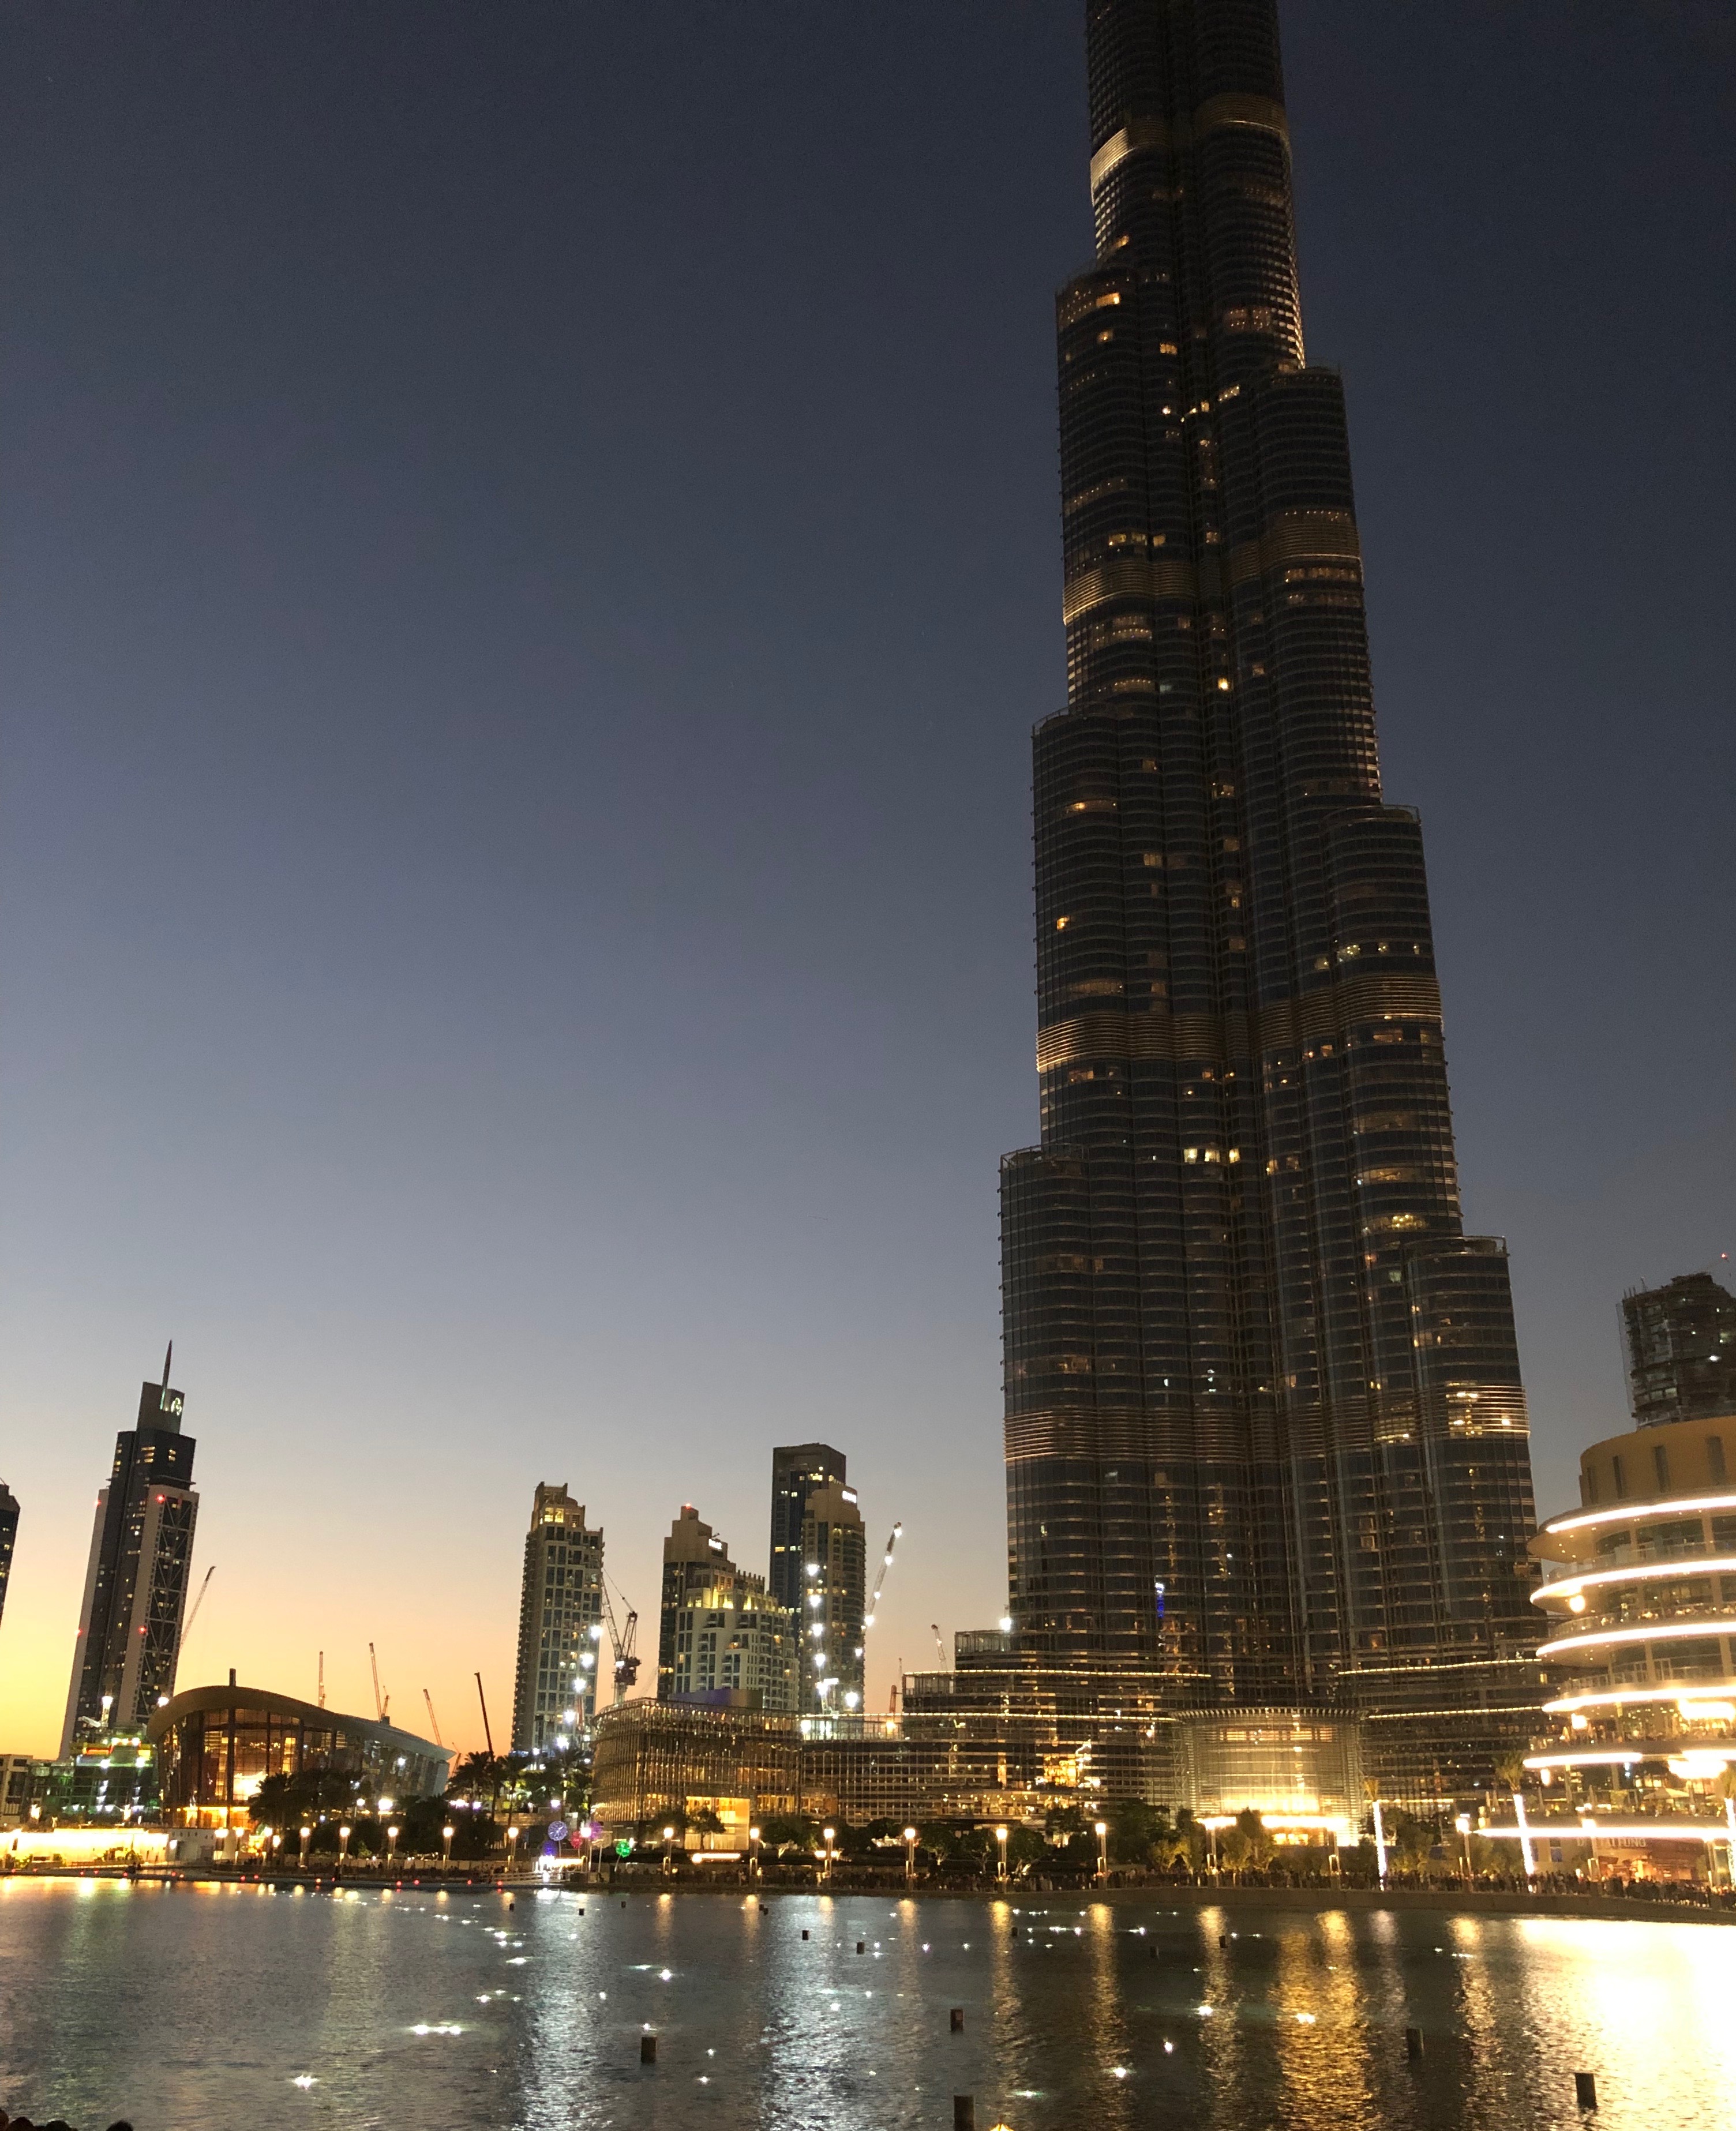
530,547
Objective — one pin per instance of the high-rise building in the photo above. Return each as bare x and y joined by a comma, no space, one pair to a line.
797,1469
1682,1350
1265,1434
695,1562
560,1623
136,1583
737,1645
834,1599
8,1537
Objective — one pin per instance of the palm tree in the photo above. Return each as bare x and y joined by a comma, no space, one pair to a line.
1511,1769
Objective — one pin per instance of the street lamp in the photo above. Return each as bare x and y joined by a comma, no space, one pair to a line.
511,1838
306,1834
264,1838
392,1846
1000,1836
276,1845
1462,1822
669,1860
343,1846
1101,1831
831,1834
446,1835
910,1854
753,1853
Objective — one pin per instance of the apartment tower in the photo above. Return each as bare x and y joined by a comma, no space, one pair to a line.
560,1623
1265,1434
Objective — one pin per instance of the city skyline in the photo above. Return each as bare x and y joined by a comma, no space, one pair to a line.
372,1068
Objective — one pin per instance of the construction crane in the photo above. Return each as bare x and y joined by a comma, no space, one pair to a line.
939,1645
879,1581
433,1721
627,1656
187,1625
374,1663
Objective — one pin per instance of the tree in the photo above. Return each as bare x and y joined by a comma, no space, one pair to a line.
779,1832
1135,1830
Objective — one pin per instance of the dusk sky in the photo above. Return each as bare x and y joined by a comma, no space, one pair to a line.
530,557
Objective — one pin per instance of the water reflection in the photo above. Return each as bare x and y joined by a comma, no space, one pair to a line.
458,2012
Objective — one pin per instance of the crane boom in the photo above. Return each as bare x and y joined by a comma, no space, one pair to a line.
626,1655
879,1581
374,1663
433,1721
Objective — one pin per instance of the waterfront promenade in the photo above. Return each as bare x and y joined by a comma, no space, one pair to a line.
1653,1901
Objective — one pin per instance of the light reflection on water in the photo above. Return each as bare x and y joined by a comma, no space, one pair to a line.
197,2009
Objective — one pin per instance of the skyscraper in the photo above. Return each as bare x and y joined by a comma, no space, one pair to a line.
559,1623
135,1583
705,1595
1682,1350
797,1469
834,1566
8,1536
1265,1434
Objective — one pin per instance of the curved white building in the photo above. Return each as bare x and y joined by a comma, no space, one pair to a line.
1639,1590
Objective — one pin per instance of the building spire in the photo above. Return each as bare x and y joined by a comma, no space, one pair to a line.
167,1359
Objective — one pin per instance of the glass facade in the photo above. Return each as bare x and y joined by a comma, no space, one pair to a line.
136,1582
216,1746
797,1470
1265,1433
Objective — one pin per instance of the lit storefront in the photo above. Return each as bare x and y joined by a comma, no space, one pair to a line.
216,1746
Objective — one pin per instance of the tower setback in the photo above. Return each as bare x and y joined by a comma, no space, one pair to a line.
1265,1432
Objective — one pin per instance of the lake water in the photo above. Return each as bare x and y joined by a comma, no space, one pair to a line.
204,2008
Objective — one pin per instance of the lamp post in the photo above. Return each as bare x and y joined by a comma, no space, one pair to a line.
1462,1822
343,1846
264,1838
831,1835
1380,1846
511,1853
1101,1831
910,1855
277,1847
669,1855
306,1835
392,1846
753,1853
1000,1836
446,1835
